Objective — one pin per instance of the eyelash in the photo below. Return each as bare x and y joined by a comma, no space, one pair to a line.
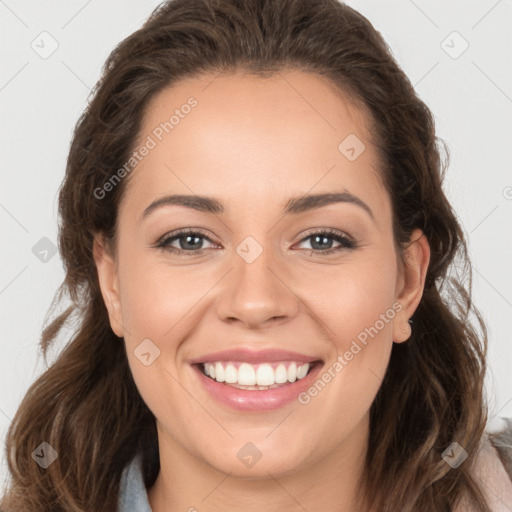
165,242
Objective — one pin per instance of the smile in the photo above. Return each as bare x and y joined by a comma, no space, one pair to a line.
255,381
243,375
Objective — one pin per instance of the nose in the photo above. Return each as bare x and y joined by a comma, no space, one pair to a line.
256,294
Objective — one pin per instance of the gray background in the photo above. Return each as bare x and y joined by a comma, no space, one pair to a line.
42,96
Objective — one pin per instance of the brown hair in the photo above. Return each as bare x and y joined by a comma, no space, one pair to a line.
86,404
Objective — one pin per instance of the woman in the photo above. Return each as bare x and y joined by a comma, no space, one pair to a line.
258,254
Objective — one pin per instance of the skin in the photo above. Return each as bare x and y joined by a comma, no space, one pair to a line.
253,143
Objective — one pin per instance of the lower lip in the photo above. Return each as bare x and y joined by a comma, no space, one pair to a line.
254,400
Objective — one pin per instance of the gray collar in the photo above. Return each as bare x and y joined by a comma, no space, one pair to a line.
133,496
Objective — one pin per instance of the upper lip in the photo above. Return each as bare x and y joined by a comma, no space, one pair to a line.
254,356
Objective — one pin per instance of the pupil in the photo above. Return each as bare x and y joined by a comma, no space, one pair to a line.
188,238
323,240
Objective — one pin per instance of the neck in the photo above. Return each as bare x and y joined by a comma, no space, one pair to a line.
187,483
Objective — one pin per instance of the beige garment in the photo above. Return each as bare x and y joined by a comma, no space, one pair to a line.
494,471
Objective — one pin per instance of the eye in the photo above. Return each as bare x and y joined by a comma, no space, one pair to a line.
189,242
320,241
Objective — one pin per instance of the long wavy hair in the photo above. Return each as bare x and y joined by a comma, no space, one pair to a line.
86,404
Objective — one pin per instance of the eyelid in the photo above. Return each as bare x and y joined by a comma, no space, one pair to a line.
347,242
329,231
183,231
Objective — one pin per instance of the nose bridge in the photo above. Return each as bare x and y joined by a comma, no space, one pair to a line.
256,291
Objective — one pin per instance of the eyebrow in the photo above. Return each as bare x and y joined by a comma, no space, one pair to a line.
295,205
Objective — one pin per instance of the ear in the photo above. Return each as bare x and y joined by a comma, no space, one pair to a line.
411,283
109,283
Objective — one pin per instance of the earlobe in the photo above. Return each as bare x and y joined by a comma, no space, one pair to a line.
417,258
109,283
405,331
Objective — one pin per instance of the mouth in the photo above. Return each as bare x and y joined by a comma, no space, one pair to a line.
252,381
257,377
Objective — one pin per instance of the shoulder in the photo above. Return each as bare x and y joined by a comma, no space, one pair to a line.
494,467
502,442
132,491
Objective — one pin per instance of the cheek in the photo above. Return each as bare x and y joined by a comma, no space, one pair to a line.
157,297
355,302
357,313
158,306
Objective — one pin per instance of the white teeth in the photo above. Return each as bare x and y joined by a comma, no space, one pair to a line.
292,372
231,374
246,375
302,370
219,372
281,375
265,374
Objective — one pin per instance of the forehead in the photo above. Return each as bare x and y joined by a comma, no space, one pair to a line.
251,140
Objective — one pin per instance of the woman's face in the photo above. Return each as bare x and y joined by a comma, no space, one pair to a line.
268,272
